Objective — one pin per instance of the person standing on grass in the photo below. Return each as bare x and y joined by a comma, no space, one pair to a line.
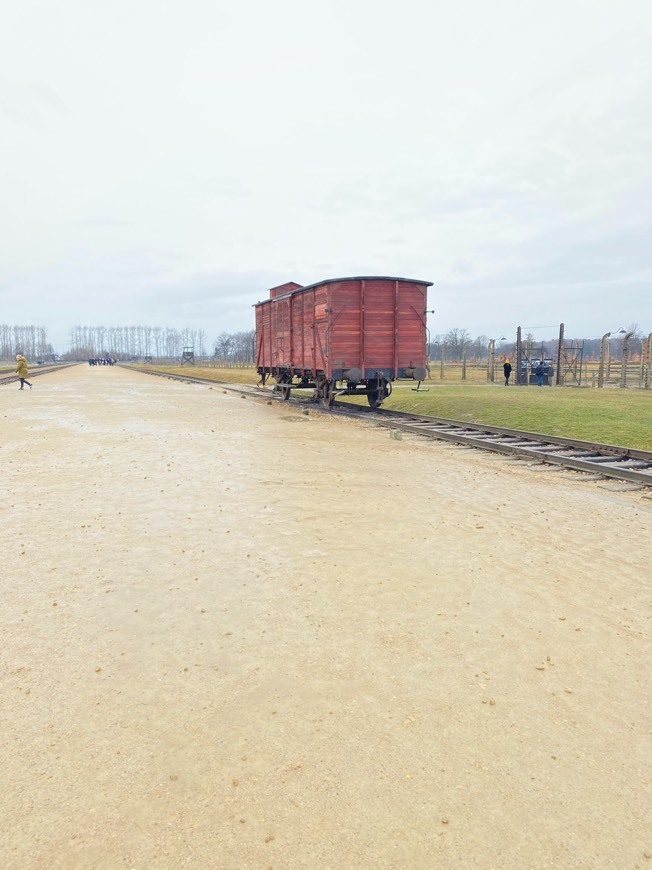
22,372
539,372
507,370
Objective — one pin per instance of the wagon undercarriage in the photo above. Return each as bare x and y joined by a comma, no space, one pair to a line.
326,390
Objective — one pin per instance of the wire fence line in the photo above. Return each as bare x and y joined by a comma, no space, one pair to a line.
621,359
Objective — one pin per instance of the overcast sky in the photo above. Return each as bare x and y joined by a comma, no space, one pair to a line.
165,162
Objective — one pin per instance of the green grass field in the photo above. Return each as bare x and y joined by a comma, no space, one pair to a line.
610,415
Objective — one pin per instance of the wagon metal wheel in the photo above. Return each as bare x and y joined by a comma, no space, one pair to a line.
375,398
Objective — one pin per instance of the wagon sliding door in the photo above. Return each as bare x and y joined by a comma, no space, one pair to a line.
410,345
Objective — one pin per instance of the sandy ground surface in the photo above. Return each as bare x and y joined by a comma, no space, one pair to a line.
237,636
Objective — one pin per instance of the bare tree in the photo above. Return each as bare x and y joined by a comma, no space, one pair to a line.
158,334
223,346
456,340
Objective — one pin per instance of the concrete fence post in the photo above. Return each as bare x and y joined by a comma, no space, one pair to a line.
520,380
623,369
491,374
641,376
603,352
559,375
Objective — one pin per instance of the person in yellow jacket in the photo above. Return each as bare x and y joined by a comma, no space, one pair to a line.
22,372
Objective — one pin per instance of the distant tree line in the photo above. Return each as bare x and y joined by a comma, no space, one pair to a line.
29,340
235,349
130,342
458,345
137,342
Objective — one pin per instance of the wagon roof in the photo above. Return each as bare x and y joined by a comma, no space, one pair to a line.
353,278
366,278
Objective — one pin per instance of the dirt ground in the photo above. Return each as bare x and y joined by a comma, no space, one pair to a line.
238,636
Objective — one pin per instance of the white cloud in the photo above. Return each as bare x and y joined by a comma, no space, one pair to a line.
169,161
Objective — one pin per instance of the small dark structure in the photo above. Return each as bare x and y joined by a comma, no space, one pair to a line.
344,336
188,356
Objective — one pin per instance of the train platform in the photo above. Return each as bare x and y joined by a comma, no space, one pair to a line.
237,635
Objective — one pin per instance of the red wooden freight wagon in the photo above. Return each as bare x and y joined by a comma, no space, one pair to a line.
343,336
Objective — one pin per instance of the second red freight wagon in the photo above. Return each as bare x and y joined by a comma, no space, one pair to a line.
343,336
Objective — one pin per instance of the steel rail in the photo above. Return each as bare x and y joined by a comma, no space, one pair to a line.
6,378
194,379
606,460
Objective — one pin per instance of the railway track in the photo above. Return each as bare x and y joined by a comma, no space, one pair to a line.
7,375
594,460
588,457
